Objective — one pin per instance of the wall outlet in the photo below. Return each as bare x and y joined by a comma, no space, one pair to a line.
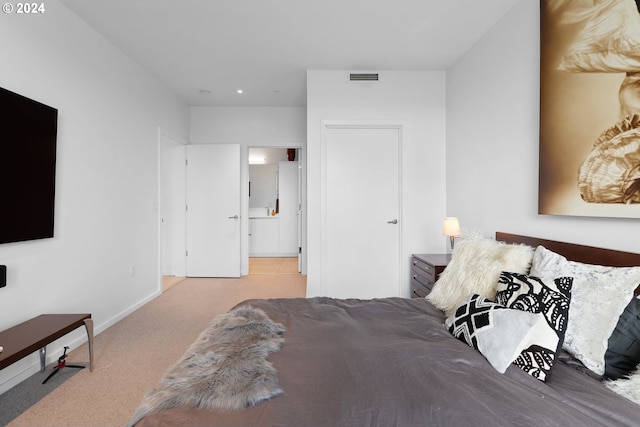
132,270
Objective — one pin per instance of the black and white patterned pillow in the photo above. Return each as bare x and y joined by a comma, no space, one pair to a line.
499,333
548,299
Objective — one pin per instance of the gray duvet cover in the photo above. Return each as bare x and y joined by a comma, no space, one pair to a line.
391,362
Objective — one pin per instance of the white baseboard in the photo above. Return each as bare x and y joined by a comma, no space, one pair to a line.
115,319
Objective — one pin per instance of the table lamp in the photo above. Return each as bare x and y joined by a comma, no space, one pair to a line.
451,228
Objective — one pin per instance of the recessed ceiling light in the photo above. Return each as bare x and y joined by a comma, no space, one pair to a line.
240,91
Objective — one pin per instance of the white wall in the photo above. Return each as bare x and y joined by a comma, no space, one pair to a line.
418,100
106,190
251,127
492,141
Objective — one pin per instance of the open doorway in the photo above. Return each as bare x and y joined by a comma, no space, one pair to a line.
274,205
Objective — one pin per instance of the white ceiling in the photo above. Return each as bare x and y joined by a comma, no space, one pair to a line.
265,46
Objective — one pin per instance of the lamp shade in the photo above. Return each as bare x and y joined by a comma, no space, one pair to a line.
451,226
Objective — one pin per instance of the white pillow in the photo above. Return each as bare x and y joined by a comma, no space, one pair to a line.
475,267
598,297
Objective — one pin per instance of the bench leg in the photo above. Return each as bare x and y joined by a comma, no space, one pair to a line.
88,324
43,358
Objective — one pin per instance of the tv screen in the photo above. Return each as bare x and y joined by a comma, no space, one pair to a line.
28,131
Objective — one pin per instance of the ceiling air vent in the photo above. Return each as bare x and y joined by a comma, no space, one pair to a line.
363,77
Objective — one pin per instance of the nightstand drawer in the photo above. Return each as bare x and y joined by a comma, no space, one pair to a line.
422,278
424,269
420,290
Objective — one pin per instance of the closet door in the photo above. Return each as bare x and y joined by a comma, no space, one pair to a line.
213,210
361,211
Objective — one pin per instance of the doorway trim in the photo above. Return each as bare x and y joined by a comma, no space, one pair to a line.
174,140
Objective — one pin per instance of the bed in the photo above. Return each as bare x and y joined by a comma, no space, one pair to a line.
396,361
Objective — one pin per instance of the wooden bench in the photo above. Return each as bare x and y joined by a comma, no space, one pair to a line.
32,335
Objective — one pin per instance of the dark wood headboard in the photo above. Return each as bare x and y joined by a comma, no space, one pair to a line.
575,252
579,253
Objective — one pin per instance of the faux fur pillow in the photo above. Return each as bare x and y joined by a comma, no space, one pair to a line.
475,267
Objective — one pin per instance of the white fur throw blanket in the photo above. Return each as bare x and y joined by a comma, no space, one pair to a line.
226,368
628,387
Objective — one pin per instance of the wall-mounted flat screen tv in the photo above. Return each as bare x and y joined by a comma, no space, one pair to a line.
28,132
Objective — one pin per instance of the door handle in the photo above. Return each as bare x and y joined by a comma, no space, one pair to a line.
393,221
233,217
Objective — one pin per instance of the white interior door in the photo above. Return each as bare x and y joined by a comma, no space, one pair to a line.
361,211
213,210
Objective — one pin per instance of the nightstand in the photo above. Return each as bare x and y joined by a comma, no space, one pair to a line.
425,269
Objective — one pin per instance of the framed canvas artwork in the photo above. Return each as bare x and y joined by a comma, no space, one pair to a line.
589,161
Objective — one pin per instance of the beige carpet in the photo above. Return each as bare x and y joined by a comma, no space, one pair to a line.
132,356
273,265
169,282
